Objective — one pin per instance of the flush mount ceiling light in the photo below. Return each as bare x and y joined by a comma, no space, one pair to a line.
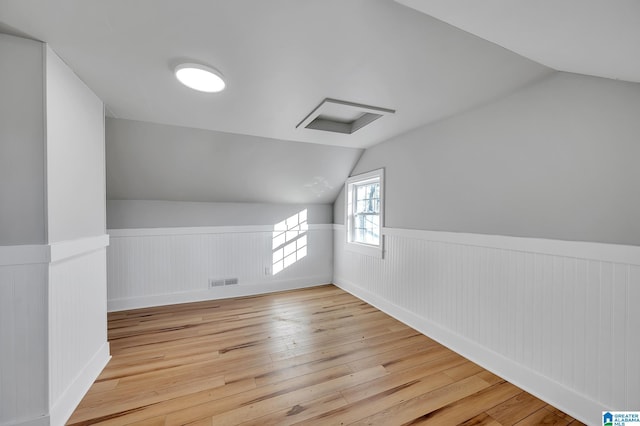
200,77
337,116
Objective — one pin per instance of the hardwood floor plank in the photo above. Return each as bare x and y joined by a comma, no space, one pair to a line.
515,409
561,414
284,369
398,359
431,373
463,370
482,419
543,417
156,421
382,395
133,399
465,409
295,399
266,399
85,415
425,403
300,412
312,356
489,377
151,366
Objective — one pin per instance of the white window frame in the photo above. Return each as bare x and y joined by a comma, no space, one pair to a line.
375,250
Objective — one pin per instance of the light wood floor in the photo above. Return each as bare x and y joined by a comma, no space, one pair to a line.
315,356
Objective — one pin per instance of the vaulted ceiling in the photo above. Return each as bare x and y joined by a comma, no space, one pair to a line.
592,37
147,161
425,59
280,58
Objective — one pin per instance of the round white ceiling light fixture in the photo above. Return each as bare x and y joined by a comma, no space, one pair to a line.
200,77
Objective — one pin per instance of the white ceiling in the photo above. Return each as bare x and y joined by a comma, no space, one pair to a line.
281,58
593,37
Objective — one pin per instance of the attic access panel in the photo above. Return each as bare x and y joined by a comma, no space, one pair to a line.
337,116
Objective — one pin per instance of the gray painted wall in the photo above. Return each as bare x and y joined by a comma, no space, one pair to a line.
75,155
125,214
557,160
148,161
22,145
338,208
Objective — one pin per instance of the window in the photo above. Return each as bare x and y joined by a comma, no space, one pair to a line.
364,208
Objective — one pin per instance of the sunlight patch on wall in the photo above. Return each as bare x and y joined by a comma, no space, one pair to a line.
289,241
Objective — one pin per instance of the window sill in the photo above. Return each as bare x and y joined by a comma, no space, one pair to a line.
365,249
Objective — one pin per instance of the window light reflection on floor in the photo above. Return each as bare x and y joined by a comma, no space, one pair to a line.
289,242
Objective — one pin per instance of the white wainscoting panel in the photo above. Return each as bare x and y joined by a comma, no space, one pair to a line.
559,319
150,267
53,328
23,343
78,348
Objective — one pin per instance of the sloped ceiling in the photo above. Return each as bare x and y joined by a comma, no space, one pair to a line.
593,37
147,161
280,58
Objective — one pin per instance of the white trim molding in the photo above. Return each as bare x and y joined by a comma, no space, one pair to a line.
67,249
368,249
203,230
53,252
618,253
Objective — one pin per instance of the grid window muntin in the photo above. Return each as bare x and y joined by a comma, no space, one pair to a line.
364,211
366,214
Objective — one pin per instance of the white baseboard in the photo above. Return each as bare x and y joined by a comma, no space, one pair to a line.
216,293
64,407
554,393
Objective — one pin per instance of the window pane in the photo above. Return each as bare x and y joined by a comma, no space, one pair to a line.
366,215
363,205
368,198
366,228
